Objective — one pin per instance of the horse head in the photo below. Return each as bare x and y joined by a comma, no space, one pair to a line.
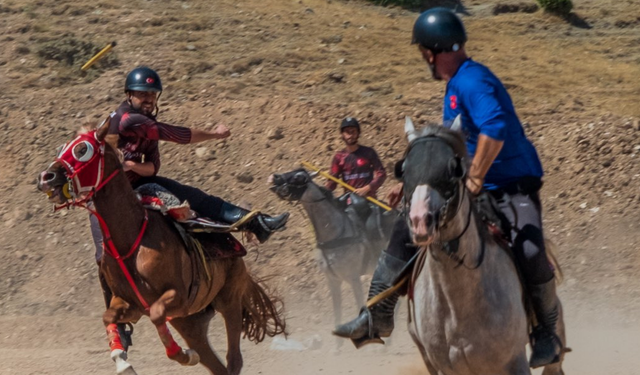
80,167
292,185
433,170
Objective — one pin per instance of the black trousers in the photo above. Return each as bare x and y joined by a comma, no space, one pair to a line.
206,205
524,213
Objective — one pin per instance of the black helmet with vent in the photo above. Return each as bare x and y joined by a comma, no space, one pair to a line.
439,30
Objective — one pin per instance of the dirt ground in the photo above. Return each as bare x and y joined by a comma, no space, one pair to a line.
282,74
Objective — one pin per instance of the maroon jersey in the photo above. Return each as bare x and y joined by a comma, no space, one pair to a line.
358,169
139,136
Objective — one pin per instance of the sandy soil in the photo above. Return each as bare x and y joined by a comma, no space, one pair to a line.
282,74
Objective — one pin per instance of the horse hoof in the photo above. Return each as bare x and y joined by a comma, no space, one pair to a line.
128,371
194,358
122,366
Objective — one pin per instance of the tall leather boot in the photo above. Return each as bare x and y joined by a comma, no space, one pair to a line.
124,329
376,322
546,345
261,225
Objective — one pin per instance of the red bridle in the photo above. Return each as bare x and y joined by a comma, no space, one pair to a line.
83,159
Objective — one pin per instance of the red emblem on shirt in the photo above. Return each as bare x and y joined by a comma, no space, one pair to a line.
453,102
361,162
149,80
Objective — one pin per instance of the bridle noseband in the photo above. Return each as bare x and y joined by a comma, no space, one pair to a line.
446,214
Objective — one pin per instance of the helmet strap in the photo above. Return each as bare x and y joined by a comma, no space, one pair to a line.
432,65
157,108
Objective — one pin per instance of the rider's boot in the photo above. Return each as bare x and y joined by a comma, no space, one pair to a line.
124,329
377,321
261,225
546,344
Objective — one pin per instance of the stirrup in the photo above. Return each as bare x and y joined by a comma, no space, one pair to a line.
244,220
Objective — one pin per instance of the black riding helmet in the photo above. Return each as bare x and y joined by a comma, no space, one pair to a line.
143,78
439,30
349,122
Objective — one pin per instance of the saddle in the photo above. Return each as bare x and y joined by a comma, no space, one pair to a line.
201,235
375,222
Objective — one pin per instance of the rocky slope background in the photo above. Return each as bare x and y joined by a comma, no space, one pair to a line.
282,74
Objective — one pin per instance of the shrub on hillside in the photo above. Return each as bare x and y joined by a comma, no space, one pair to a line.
402,3
561,7
73,52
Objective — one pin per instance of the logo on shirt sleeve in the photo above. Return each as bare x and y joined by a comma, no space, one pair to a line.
453,101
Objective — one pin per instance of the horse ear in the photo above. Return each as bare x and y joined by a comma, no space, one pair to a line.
457,124
103,129
409,129
398,170
314,174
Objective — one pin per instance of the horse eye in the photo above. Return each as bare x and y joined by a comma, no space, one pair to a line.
83,151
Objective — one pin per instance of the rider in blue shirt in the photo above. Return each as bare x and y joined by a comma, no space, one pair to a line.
504,163
476,94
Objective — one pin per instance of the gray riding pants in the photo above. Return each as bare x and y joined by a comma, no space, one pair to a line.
524,213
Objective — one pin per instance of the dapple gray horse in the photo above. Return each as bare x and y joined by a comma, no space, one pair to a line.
468,311
345,252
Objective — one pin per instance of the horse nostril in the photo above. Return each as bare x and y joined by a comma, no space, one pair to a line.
48,176
429,219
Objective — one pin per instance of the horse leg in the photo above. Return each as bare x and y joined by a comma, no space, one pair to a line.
193,329
556,368
356,286
229,304
335,290
158,315
118,311
519,366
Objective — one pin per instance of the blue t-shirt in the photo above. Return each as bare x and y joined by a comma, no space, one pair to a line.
486,108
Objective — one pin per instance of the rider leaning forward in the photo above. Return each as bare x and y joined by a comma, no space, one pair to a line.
505,164
139,133
357,165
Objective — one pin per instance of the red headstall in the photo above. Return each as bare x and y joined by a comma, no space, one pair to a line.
83,159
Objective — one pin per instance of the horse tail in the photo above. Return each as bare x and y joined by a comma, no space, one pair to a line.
553,259
262,312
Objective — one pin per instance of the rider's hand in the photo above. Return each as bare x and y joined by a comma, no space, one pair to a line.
221,131
474,184
395,195
128,165
363,191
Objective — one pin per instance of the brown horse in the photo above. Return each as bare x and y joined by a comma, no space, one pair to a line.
146,261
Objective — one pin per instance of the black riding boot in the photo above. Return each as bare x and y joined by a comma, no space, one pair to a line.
261,225
124,329
546,345
376,322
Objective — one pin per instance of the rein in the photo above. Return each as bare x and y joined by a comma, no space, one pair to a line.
450,247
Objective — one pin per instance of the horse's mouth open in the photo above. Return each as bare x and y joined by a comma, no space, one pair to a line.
56,195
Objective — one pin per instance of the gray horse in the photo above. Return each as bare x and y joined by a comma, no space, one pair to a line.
467,303
345,251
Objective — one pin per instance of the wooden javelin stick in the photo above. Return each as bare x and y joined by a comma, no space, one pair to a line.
343,184
98,56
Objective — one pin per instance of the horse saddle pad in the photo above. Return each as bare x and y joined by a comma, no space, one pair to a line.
213,237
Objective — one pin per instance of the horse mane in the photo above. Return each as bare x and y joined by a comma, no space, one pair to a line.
109,139
454,139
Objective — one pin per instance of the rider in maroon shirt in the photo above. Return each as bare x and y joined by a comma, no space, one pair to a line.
357,165
139,134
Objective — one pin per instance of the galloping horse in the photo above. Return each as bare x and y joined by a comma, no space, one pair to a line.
345,252
149,270
467,304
